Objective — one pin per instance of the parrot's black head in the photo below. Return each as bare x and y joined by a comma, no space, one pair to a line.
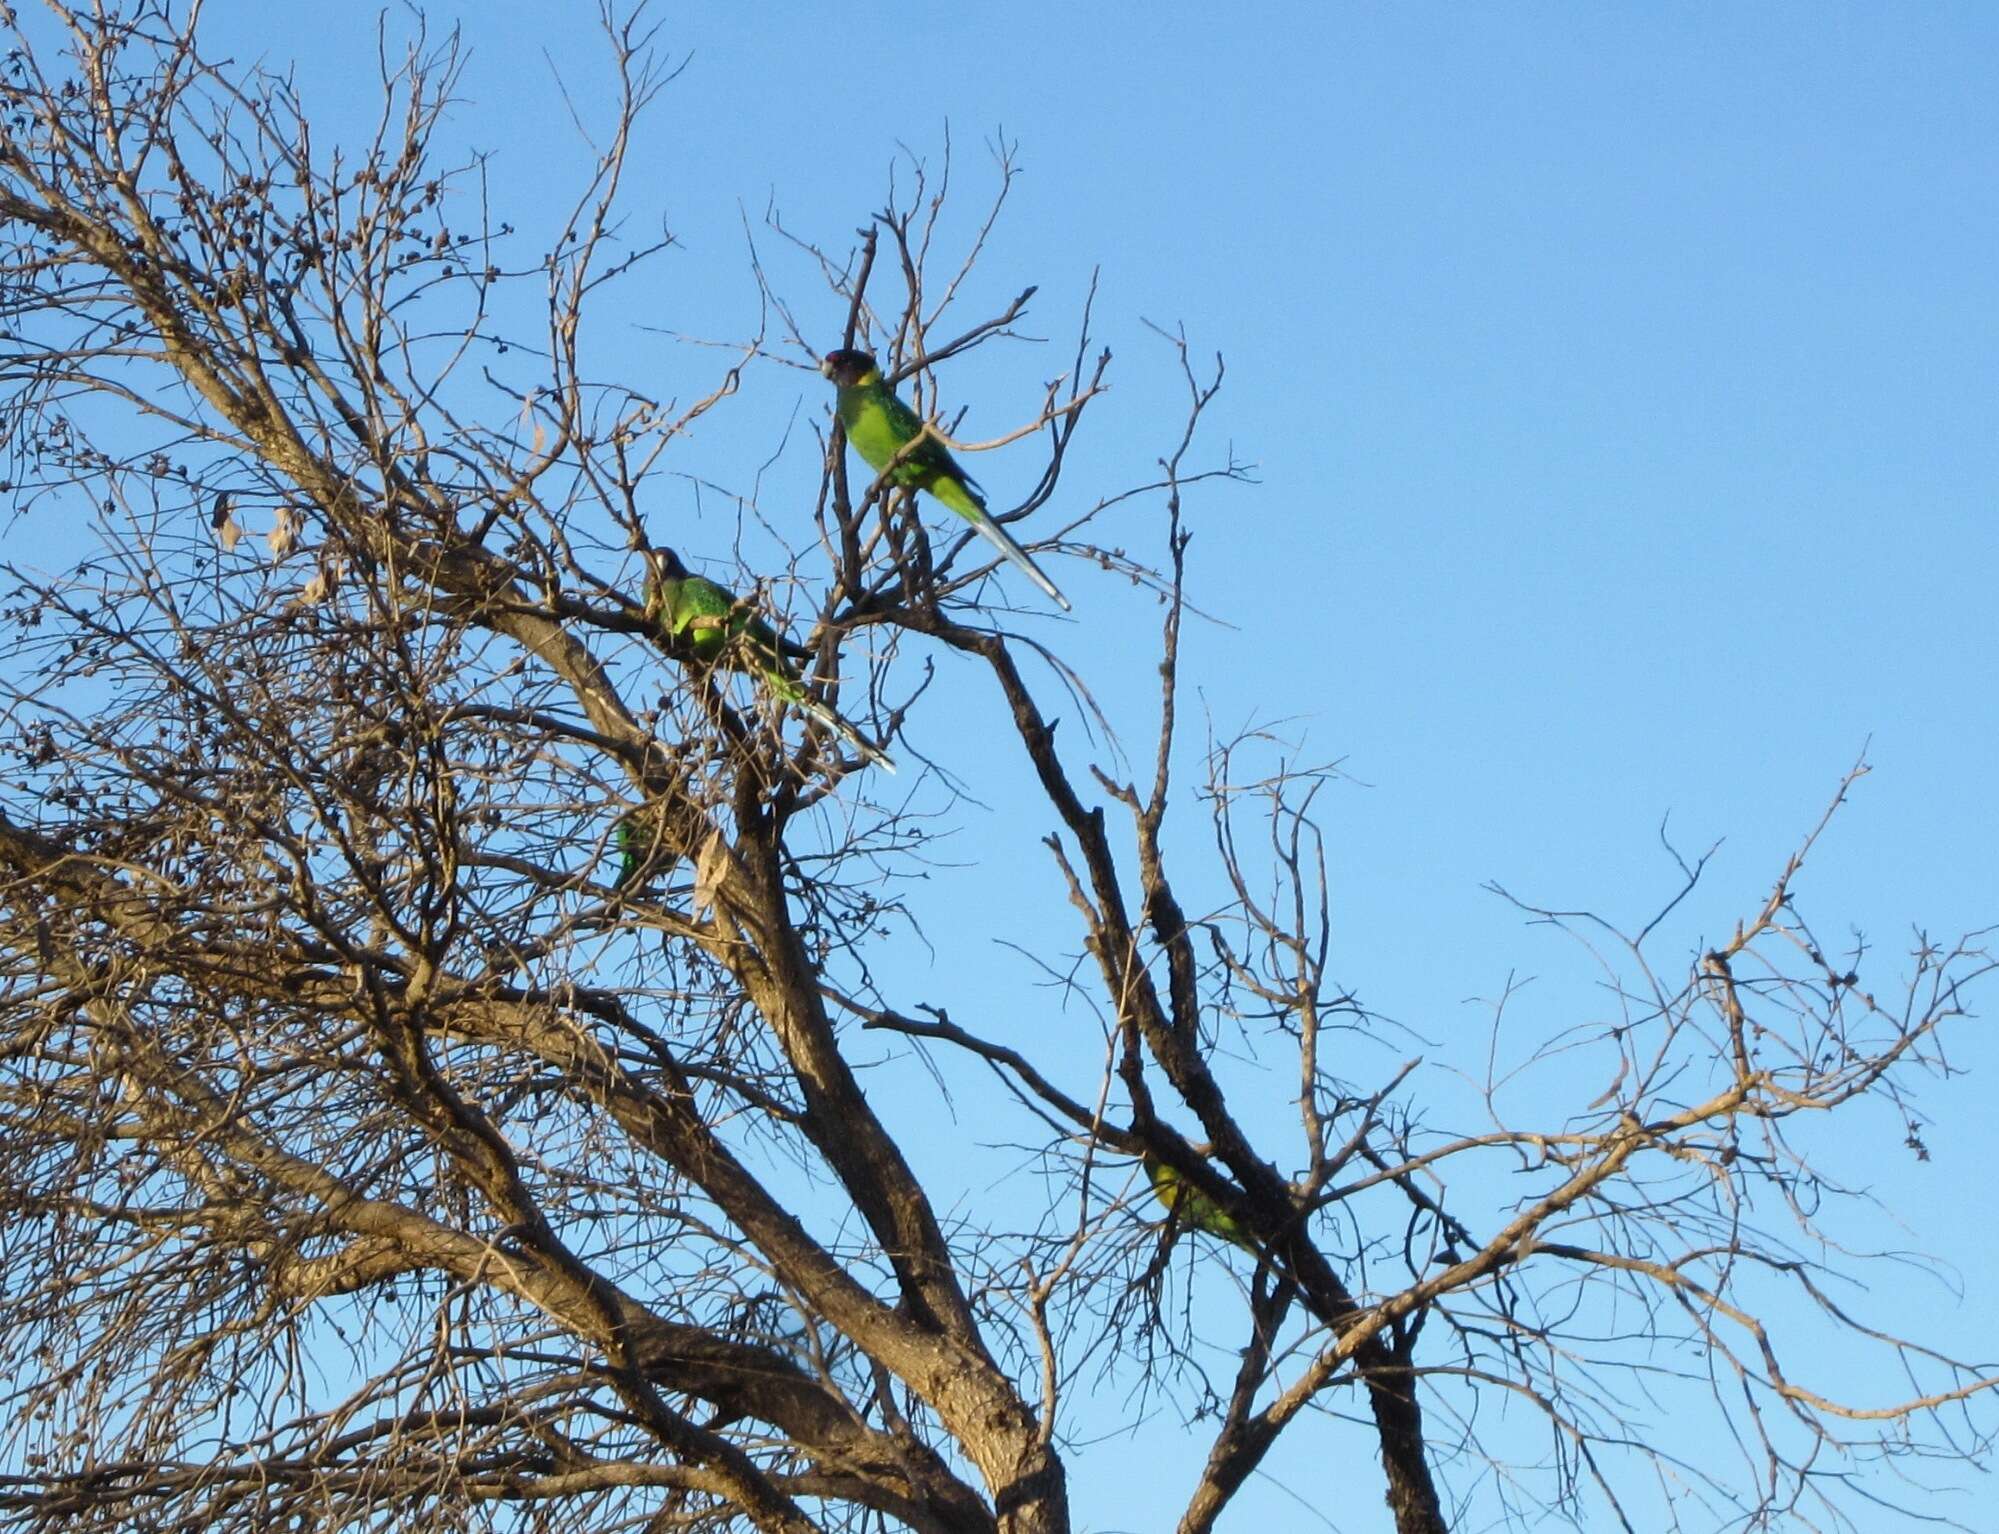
666,565
847,367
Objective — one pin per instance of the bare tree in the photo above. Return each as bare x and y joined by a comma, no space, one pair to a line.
433,1000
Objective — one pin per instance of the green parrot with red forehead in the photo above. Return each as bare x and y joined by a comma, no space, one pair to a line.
884,431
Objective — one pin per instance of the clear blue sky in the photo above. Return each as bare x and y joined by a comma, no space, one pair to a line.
1621,382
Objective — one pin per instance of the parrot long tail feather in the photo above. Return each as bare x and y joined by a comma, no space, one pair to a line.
1017,556
871,754
784,687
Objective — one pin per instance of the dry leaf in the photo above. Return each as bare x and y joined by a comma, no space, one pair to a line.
283,536
710,869
223,522
324,580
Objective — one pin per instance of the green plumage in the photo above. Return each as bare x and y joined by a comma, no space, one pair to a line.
885,431
1190,1207
702,624
637,840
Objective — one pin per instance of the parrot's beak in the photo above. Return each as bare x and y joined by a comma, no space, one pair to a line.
826,367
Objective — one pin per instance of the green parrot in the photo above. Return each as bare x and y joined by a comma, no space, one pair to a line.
635,845
702,623
879,426
1190,1207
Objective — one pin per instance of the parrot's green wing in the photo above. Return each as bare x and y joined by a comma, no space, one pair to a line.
638,844
702,620
628,855
1191,1207
694,612
881,427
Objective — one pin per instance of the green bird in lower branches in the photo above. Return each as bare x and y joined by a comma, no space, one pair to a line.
636,839
1191,1207
882,428
703,624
